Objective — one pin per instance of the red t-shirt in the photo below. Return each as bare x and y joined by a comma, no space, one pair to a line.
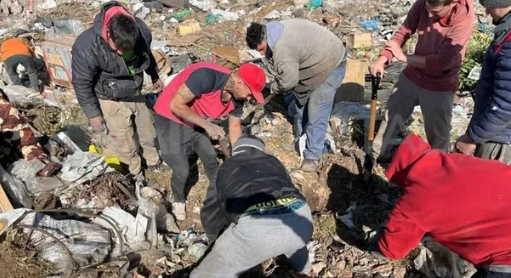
206,81
463,202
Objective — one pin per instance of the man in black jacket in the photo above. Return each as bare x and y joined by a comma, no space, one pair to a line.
253,213
108,64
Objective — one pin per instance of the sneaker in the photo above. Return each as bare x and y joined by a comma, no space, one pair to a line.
310,165
179,210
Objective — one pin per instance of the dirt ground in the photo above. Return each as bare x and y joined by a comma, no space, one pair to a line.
18,262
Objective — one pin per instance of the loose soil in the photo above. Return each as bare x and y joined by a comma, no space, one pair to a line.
18,262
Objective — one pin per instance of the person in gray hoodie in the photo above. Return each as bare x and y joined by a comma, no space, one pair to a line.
309,61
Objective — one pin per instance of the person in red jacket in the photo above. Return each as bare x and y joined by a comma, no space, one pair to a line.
461,201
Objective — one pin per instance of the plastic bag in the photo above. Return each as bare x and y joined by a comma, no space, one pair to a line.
27,172
87,243
81,167
150,206
20,95
15,189
434,260
60,28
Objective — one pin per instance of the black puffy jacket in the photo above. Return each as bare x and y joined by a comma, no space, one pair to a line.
244,180
100,73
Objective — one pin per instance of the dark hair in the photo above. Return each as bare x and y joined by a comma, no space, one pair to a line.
256,34
436,3
123,32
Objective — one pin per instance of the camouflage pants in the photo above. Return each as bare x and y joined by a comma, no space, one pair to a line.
16,138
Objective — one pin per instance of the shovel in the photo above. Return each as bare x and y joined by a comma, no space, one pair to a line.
369,160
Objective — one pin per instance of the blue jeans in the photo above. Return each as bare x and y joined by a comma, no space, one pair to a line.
312,118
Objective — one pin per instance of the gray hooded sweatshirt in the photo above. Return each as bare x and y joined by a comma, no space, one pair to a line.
303,54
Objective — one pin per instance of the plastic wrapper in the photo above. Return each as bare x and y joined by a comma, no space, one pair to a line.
150,206
434,260
27,172
64,27
15,189
81,167
21,96
87,243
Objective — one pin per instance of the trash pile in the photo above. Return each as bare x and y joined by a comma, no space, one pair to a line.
90,219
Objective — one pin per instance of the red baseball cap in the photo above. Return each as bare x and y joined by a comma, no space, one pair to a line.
255,78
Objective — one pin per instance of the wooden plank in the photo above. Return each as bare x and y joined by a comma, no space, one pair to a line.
228,52
5,204
352,88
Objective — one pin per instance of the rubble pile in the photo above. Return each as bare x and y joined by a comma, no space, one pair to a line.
96,220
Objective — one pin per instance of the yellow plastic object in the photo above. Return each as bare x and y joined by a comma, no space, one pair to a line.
111,161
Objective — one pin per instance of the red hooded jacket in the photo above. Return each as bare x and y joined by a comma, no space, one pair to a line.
462,202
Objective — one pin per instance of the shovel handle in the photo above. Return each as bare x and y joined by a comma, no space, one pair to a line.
375,83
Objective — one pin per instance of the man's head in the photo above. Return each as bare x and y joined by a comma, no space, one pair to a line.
438,9
496,8
256,38
248,82
246,144
123,34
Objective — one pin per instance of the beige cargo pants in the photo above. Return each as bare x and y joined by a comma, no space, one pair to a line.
436,111
121,120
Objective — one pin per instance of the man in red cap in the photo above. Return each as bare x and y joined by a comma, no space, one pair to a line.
461,201
185,111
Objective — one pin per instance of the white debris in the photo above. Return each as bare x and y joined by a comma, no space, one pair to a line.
347,219
273,15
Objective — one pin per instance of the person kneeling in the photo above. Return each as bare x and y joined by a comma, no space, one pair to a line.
253,213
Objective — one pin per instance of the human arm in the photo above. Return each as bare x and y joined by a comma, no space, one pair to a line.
497,115
400,237
286,77
407,29
234,129
85,69
179,106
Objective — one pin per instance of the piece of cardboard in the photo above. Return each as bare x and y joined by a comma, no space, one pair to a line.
184,41
361,40
352,88
229,53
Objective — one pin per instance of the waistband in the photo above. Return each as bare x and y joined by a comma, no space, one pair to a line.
278,206
499,268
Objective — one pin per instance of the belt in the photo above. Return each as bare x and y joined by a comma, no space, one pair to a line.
278,206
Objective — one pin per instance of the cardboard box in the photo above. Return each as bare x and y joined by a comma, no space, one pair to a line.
352,88
362,40
57,57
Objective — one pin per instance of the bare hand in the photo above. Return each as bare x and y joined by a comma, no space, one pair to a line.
157,85
396,51
97,124
465,145
214,131
379,67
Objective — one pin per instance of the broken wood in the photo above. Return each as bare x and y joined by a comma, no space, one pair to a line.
173,3
5,204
